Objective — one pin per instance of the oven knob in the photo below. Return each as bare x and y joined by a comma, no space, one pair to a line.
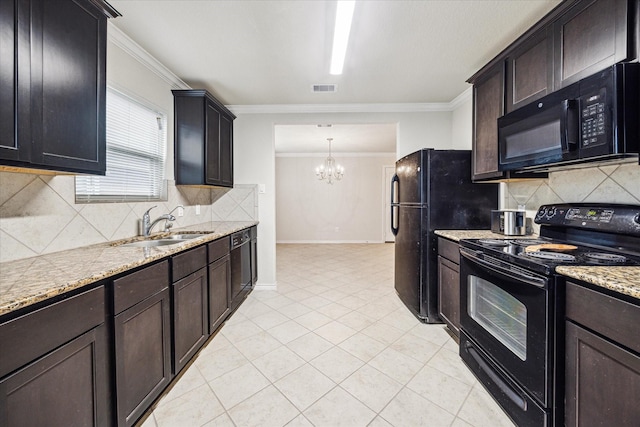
551,212
541,213
637,219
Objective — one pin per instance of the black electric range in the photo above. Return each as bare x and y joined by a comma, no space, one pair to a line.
512,302
577,234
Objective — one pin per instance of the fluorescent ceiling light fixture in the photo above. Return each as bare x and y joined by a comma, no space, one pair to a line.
344,16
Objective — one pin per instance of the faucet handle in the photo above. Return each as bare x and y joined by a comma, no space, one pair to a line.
146,214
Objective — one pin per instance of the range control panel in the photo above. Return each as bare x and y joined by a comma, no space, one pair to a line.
612,218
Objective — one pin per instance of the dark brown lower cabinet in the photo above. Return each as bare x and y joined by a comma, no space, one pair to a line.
219,286
67,387
190,315
602,360
142,349
54,364
449,284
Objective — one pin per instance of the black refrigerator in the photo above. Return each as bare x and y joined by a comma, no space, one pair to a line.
432,190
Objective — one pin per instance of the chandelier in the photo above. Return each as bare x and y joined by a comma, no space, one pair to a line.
329,170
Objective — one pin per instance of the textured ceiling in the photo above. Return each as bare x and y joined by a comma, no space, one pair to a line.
266,53
272,52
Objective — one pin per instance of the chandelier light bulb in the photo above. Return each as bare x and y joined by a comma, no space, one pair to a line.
329,170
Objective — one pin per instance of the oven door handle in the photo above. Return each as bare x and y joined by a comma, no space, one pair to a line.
516,275
508,391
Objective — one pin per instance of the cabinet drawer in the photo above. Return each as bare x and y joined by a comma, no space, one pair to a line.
218,249
449,249
30,336
133,288
187,262
611,317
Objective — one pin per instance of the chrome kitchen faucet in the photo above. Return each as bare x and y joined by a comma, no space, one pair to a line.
146,224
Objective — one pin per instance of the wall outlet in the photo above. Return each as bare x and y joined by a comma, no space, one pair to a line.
180,211
197,209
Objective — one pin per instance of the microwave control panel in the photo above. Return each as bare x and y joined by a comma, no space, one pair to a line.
593,120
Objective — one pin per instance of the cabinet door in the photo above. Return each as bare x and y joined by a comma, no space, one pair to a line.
602,381
67,387
212,146
226,151
9,80
142,356
530,70
68,84
190,316
590,37
449,294
488,105
219,291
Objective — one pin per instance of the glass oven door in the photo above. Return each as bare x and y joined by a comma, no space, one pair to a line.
508,313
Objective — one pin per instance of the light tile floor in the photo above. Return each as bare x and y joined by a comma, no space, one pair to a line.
333,346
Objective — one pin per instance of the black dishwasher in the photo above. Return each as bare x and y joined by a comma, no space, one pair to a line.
240,267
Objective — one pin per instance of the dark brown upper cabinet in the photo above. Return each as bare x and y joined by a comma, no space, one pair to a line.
589,37
530,70
203,139
53,75
576,39
488,105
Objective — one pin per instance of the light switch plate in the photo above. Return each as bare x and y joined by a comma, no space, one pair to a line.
262,188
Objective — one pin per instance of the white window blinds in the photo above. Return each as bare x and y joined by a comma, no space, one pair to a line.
136,147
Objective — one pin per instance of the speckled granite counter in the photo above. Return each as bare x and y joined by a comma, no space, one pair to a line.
30,280
625,280
457,235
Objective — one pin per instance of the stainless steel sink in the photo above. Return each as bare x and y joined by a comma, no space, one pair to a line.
173,239
152,243
186,236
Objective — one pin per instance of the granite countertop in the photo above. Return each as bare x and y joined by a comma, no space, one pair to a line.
27,281
625,280
457,235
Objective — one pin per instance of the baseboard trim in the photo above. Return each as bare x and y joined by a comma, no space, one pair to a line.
265,287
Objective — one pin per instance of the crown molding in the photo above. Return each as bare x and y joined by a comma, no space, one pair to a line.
461,99
336,154
339,108
354,108
124,42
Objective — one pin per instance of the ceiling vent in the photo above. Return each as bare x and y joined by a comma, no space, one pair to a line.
324,88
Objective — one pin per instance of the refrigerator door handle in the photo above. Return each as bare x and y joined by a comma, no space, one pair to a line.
394,207
394,185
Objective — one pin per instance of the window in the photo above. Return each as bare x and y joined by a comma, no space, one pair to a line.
136,147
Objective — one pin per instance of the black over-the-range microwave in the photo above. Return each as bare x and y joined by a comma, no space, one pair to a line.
596,119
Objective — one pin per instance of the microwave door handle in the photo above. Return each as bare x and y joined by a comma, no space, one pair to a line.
570,109
515,275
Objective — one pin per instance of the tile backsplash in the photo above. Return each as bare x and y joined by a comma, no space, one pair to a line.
604,184
38,213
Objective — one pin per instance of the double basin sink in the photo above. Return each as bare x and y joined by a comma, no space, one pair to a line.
164,241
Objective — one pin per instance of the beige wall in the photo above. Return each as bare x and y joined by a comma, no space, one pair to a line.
348,211
38,213
255,157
